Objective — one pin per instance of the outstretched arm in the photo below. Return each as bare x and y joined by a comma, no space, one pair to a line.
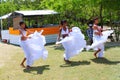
59,34
66,39
29,32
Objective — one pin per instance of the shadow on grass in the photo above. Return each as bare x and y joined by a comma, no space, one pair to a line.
75,63
39,69
110,45
104,61
58,47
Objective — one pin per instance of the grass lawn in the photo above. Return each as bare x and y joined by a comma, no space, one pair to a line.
83,67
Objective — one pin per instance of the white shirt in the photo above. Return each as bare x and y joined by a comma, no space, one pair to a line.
64,32
96,30
23,32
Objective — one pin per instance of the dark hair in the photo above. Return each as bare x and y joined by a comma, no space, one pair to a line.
90,23
95,18
20,23
63,21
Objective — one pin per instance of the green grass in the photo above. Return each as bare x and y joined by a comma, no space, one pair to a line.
83,67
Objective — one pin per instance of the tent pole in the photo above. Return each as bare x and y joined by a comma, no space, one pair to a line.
1,24
1,17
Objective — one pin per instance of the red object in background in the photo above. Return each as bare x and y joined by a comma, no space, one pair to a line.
4,40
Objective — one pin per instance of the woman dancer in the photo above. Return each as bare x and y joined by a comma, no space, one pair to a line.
63,32
99,38
24,37
73,44
32,45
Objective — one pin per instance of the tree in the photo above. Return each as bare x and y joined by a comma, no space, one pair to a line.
77,12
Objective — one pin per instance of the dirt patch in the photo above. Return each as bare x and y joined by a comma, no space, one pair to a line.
6,53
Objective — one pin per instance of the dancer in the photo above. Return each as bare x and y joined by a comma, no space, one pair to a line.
64,31
99,38
32,45
73,44
24,37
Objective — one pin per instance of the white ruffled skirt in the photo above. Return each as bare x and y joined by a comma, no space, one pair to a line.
98,41
34,48
73,44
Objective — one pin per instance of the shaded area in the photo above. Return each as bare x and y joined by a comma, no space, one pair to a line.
75,63
104,61
58,47
109,45
38,69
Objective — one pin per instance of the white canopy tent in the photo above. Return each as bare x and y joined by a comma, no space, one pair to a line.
4,17
28,13
14,39
21,15
36,12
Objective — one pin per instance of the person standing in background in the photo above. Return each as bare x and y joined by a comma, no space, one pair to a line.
90,32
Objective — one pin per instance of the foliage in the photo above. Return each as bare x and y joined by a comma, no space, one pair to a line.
76,12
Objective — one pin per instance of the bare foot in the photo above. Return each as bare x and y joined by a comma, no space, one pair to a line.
67,61
28,67
22,65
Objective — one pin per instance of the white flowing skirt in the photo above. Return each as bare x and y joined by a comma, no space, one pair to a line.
73,44
98,41
34,48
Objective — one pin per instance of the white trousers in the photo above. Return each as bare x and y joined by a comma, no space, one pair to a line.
101,53
66,55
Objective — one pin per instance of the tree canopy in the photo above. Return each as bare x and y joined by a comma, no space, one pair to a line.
77,12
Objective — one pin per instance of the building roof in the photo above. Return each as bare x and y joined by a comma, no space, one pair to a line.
30,13
36,12
5,16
